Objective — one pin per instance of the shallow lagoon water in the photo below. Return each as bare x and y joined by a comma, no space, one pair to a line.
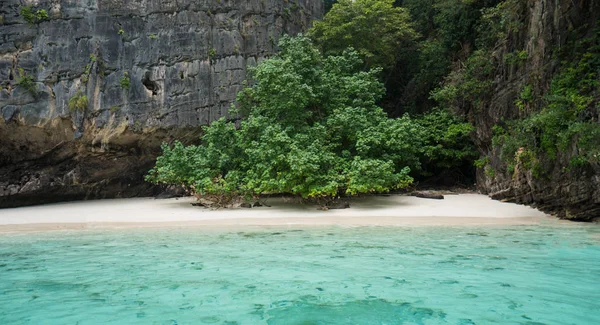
544,274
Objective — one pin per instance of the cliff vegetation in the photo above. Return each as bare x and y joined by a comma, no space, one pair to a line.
436,69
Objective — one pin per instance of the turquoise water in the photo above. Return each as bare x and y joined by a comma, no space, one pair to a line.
419,275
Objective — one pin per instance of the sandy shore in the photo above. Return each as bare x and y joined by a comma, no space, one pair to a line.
394,210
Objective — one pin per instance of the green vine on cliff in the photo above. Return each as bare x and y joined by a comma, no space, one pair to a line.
469,87
125,82
79,102
26,82
568,120
33,17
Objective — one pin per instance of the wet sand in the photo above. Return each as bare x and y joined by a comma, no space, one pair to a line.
393,210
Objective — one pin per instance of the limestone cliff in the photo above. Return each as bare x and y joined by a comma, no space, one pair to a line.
546,25
89,89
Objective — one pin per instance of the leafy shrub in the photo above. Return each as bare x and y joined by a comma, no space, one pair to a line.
481,162
212,53
568,119
41,15
310,128
468,86
525,97
26,82
125,81
446,142
79,102
377,29
33,17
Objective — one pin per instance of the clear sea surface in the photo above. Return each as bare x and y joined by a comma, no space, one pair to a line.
548,274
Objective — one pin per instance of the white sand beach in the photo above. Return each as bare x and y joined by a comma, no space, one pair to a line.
393,210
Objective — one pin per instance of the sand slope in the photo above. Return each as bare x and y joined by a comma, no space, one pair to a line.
462,209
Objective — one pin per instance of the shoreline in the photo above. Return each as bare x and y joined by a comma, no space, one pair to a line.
393,210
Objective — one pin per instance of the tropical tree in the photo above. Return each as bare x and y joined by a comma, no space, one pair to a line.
379,31
310,127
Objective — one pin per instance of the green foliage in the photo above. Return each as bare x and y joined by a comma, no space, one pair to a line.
379,31
498,22
450,31
457,21
86,74
212,53
79,102
41,15
525,97
568,119
481,162
26,82
121,32
310,127
467,87
490,171
33,17
125,82
516,58
446,142
27,13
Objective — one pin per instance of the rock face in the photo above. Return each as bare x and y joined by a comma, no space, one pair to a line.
90,90
574,194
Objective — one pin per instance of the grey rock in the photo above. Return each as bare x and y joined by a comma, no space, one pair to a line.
429,195
9,111
574,193
338,205
152,71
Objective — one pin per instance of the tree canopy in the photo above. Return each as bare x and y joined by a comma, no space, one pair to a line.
379,31
311,127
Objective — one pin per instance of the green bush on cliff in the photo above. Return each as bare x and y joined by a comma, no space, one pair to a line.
568,121
310,127
33,17
26,82
125,82
467,87
79,102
